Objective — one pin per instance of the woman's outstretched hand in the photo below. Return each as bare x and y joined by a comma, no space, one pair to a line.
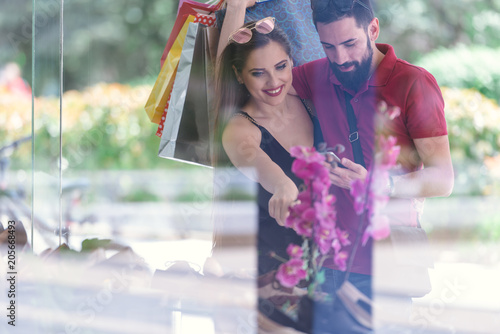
284,195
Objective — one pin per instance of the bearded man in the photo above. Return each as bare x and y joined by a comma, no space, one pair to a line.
354,77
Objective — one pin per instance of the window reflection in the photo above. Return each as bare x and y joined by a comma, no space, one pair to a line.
130,218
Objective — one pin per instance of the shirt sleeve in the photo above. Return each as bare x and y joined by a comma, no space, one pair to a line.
425,108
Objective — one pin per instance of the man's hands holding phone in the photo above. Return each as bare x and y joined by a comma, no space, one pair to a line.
344,171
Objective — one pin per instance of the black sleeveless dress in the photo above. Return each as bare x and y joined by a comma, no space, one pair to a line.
271,236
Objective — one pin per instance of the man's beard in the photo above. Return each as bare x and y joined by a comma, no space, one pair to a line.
353,79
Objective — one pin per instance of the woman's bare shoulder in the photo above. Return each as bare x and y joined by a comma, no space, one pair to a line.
240,128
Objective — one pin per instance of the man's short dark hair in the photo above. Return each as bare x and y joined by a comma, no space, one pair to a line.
328,11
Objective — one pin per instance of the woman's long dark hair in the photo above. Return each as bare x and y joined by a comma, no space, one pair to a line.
230,95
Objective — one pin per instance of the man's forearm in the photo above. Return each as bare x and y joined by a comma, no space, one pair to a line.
428,182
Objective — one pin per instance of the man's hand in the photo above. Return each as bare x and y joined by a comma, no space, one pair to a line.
343,177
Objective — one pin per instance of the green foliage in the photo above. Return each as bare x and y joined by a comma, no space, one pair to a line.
112,41
416,27
320,278
103,127
64,250
489,229
140,195
192,196
110,131
236,194
466,67
472,124
89,245
474,136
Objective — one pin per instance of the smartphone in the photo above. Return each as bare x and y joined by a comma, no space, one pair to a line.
333,156
334,160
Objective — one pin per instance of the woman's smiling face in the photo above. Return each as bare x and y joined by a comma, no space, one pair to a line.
267,74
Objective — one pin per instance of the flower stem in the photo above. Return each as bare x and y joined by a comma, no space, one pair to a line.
277,257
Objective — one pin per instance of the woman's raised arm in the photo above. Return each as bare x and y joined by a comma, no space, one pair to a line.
234,18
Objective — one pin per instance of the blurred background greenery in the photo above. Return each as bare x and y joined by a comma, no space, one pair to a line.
116,41
112,56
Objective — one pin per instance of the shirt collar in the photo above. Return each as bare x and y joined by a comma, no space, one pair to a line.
382,72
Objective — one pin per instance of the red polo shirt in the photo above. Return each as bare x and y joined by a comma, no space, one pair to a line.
394,81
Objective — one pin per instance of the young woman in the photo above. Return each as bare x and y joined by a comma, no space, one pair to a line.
260,123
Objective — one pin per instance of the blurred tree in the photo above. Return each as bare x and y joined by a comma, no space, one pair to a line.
416,27
122,40
118,40
466,67
112,41
15,34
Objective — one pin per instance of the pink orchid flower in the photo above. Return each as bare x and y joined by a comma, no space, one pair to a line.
310,170
340,260
378,229
343,237
294,251
323,238
389,151
304,227
290,273
358,191
306,154
314,217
